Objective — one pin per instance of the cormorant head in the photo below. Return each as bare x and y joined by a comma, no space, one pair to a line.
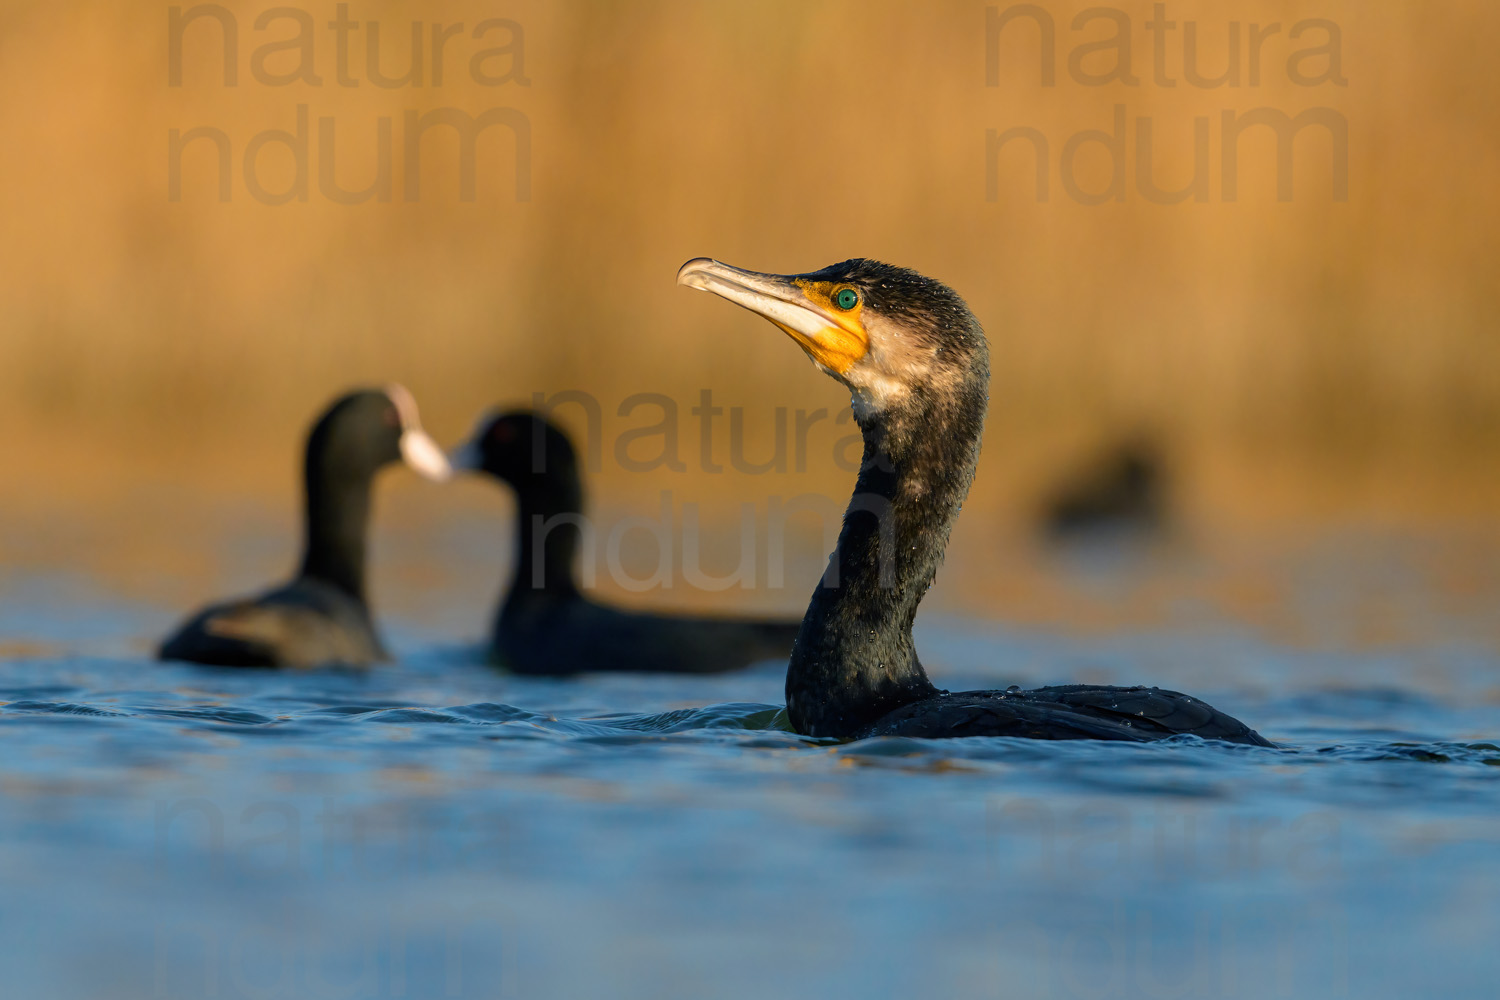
520,447
369,428
886,332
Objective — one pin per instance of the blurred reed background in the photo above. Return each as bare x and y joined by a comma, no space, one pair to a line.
1305,362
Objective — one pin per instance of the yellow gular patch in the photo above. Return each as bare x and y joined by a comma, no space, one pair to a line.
842,343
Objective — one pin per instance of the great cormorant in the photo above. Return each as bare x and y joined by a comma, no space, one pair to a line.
321,617
546,625
916,363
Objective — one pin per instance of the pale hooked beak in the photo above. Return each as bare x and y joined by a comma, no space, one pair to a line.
418,449
835,341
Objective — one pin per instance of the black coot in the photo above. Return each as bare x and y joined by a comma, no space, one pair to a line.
546,625
321,617
1122,492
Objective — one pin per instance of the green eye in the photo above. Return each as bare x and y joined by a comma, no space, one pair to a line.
846,299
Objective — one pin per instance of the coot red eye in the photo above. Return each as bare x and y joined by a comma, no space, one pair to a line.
503,433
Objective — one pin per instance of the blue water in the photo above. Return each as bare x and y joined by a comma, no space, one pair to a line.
438,829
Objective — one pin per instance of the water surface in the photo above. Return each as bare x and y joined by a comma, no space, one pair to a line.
435,828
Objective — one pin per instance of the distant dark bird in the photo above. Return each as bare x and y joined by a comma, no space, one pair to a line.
546,625
916,362
1122,491
321,617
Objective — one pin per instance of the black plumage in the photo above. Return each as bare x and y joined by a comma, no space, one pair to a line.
1073,711
321,617
916,363
546,624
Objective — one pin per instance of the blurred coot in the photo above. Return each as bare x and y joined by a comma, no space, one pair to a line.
321,617
1121,491
546,624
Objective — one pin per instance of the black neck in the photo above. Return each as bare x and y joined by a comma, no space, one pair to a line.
550,512
338,516
854,660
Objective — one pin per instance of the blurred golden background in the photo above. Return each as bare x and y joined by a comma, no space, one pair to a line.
1302,363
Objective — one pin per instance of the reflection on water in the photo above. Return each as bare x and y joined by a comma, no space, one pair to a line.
438,829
